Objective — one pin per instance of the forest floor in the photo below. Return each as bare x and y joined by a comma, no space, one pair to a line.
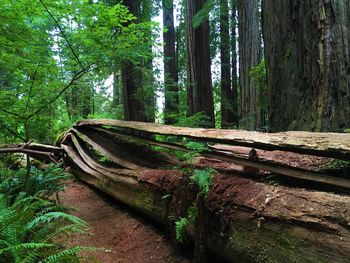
124,236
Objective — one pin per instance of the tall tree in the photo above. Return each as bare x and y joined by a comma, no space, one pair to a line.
132,79
234,84
199,93
249,47
171,75
308,64
227,113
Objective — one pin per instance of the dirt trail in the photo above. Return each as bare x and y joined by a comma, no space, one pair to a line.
125,237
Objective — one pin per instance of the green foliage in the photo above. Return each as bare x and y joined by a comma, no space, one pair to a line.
204,179
336,165
259,77
43,47
347,130
203,13
196,147
197,120
19,184
181,224
30,227
180,229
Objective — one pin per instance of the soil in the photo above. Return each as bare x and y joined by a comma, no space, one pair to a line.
124,236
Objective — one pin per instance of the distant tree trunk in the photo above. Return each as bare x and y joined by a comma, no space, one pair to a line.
307,50
148,87
116,89
74,110
226,91
170,70
234,62
248,57
200,91
133,97
86,93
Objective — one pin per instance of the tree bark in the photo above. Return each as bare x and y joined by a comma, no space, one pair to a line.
333,145
199,92
249,40
246,220
307,52
170,69
235,101
226,91
132,80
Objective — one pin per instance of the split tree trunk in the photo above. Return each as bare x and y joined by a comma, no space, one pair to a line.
307,50
247,220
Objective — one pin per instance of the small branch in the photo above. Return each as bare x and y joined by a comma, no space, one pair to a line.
40,155
13,113
13,132
77,76
27,144
31,87
63,34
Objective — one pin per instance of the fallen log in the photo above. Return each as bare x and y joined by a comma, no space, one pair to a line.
246,220
334,145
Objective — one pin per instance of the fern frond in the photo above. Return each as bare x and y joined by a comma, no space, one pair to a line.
26,246
51,216
67,254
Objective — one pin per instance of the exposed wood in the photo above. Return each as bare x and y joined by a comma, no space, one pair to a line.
247,220
246,161
334,145
108,152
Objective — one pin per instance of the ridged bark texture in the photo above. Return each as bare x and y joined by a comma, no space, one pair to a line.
199,93
308,64
248,19
234,62
170,69
226,89
131,79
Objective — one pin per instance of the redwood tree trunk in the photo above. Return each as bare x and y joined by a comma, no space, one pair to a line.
248,57
199,94
234,62
132,79
226,91
170,70
308,64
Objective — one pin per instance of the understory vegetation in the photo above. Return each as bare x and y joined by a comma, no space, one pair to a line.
33,225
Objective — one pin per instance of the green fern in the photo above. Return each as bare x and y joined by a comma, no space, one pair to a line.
180,229
204,179
18,184
29,228
181,224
